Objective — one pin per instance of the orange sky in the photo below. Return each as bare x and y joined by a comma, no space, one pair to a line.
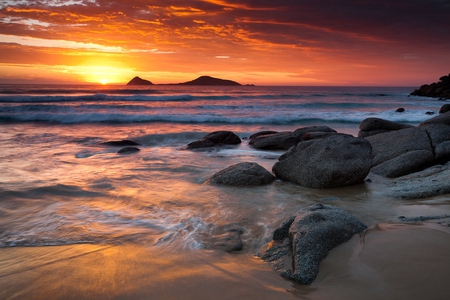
264,42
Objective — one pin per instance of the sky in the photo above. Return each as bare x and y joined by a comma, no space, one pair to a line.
262,42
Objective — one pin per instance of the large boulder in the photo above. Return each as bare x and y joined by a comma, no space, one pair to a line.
215,138
444,108
427,183
286,139
326,163
373,126
392,144
242,174
304,240
404,164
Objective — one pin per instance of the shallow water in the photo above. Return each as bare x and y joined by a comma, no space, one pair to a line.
78,220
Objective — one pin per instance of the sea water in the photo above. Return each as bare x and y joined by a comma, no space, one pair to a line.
60,185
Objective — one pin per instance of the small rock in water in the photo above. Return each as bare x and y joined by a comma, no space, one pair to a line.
128,150
400,109
121,143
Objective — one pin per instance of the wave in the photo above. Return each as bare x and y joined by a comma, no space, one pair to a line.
118,118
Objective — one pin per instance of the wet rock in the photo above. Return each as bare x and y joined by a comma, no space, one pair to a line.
287,139
400,110
373,126
121,143
326,163
430,182
128,150
216,138
242,174
261,133
429,113
227,238
304,240
422,218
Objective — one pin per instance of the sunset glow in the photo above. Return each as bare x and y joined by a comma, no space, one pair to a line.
259,42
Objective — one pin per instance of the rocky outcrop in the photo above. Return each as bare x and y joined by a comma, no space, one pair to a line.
242,174
427,183
326,163
304,240
208,80
216,138
373,126
287,139
139,81
440,89
444,108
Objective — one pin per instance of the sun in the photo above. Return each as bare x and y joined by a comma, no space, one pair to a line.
104,81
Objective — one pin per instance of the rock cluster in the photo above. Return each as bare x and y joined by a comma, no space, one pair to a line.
440,89
306,238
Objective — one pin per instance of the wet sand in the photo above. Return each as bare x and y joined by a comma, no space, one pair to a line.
391,261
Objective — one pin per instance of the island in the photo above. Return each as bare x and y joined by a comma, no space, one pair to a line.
202,80
439,89
139,81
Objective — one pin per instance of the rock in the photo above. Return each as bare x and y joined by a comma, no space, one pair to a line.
242,174
389,145
444,108
121,143
437,133
400,109
304,240
442,152
227,238
404,164
326,163
440,89
422,218
439,119
427,183
139,81
215,138
287,139
128,150
373,126
266,132
429,113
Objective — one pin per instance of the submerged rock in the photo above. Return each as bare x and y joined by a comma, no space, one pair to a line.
215,138
326,163
242,174
128,150
121,143
304,240
227,238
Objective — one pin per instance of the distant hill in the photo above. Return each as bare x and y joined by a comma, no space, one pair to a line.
202,80
139,81
208,80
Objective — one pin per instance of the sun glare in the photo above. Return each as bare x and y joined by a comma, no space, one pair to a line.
104,81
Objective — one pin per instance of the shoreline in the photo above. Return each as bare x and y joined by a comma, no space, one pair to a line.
391,261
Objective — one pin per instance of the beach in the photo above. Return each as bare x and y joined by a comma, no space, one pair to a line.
81,221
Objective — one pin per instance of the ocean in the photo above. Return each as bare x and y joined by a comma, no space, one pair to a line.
78,220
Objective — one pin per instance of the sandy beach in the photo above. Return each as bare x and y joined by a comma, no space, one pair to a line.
391,261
